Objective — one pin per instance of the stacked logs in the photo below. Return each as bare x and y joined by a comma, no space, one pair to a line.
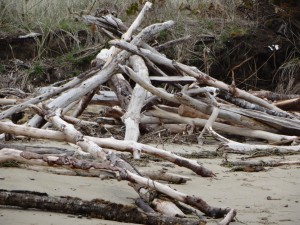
191,100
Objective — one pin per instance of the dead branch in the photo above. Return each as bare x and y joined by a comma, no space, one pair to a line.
102,76
83,103
111,143
172,43
202,77
132,117
23,105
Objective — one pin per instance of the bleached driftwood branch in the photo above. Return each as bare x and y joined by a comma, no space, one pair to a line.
111,143
132,117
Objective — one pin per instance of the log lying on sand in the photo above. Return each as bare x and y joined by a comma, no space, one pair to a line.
122,173
110,143
96,208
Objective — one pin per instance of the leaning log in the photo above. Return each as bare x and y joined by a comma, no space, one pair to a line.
200,76
102,76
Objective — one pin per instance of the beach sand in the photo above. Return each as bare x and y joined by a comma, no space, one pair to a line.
246,192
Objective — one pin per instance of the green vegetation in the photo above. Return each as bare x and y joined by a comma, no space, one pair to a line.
2,68
36,70
72,44
9,164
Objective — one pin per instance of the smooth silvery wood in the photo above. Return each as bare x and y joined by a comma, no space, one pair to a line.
52,92
120,145
182,98
191,71
222,128
102,76
132,117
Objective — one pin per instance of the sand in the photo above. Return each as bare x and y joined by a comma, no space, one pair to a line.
246,192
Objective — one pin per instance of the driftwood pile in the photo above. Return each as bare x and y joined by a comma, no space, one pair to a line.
193,99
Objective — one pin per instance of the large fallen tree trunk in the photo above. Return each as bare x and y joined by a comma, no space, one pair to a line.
96,208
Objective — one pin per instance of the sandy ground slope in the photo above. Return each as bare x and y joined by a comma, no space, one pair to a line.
246,192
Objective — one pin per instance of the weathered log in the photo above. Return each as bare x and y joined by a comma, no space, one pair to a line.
188,111
102,76
132,117
114,112
165,176
37,148
262,163
23,105
181,98
111,143
107,98
13,92
248,149
284,125
79,122
222,128
167,208
247,105
122,89
173,79
83,103
228,218
190,200
96,208
154,120
10,101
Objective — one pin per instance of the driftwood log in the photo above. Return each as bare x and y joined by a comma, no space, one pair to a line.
136,72
96,208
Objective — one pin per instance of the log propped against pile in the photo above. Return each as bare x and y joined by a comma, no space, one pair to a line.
196,100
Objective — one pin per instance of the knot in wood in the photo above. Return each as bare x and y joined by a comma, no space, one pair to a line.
79,138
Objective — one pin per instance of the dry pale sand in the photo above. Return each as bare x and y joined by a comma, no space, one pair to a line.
246,192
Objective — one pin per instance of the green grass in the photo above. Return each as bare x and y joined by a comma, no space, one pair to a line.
192,17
